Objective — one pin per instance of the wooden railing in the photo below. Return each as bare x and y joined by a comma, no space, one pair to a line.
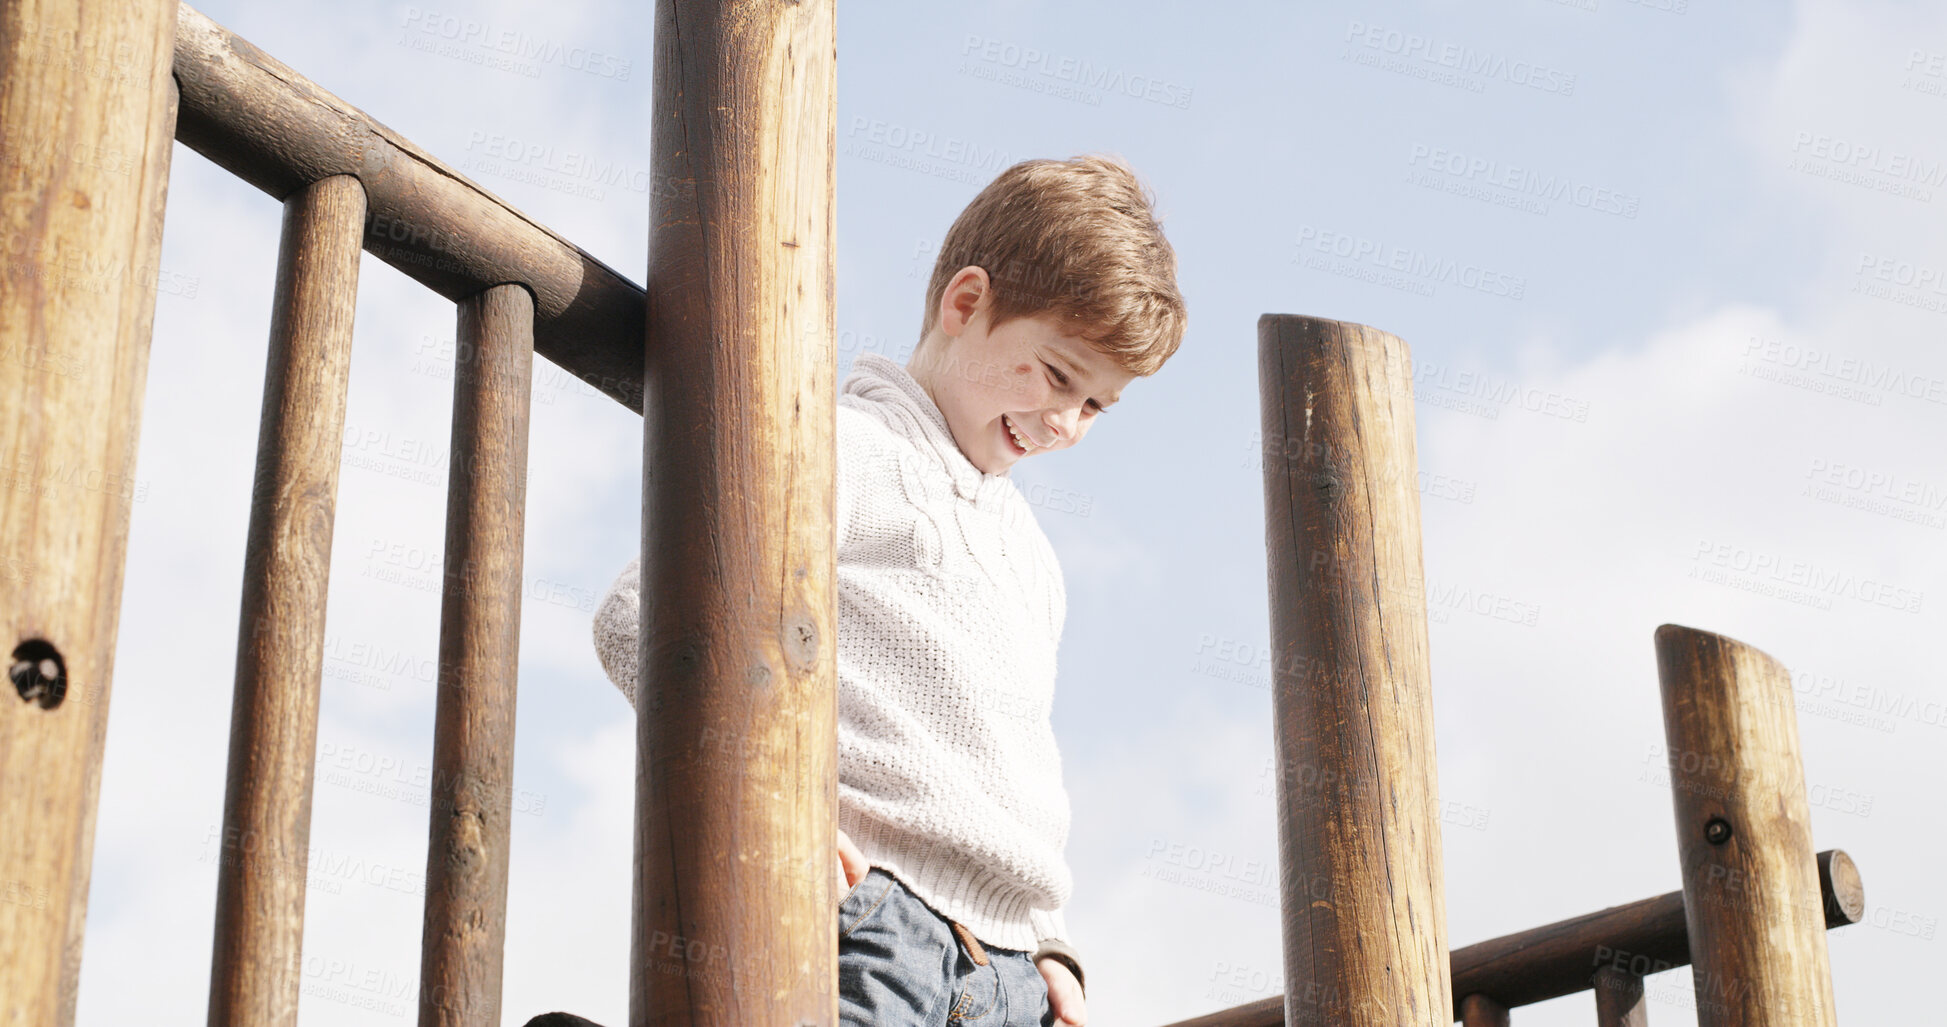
728,354
1355,759
1608,952
743,401
277,130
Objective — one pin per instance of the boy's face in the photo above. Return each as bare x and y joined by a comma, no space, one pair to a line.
1017,391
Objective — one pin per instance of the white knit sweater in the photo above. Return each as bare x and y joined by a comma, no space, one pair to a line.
950,608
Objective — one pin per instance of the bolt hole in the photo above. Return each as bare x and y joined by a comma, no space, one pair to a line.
1717,831
39,673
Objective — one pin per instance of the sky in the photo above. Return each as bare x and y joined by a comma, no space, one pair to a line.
1671,275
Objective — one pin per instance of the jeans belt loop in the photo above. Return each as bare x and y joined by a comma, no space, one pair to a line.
969,942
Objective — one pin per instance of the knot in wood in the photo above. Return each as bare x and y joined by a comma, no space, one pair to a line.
689,656
801,642
1328,483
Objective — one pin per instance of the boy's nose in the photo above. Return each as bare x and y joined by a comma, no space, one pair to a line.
1061,423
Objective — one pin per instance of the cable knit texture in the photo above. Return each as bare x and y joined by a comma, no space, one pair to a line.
950,609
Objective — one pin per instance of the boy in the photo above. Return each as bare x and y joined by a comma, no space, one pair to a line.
1053,290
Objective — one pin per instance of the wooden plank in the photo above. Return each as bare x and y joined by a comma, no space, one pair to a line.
1357,796
479,651
87,113
280,637
279,131
736,907
1619,999
1744,836
1535,965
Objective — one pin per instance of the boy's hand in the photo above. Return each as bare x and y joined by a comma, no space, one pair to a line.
852,866
1064,991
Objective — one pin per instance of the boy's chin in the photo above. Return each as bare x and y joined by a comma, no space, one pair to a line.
999,463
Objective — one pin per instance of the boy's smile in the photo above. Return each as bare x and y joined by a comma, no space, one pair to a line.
1012,392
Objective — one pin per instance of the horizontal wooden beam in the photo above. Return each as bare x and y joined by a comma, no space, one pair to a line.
272,127
1644,937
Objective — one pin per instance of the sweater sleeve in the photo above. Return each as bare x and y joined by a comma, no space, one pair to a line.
1051,934
617,619
617,623
846,467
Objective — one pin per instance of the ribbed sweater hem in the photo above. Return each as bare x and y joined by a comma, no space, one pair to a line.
993,908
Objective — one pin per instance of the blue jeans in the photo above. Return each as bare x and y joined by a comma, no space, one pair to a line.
900,964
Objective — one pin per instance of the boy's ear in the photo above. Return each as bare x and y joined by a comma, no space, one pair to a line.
962,298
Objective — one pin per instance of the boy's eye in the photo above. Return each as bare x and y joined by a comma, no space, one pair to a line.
1062,379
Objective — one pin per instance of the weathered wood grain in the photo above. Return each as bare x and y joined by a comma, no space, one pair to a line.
1477,1010
87,115
1365,936
1644,937
736,816
265,845
479,650
279,131
1751,892
1619,999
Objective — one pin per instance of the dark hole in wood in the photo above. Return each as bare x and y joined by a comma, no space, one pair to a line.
39,673
1717,831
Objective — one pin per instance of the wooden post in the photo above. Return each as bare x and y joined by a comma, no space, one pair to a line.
479,650
280,639
1477,1010
1618,998
1750,878
736,908
87,119
1357,806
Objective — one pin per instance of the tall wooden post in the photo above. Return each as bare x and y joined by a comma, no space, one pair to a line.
736,919
462,939
1618,998
262,876
1351,699
87,119
1477,1010
1751,892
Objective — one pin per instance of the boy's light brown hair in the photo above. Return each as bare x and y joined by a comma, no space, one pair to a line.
1077,239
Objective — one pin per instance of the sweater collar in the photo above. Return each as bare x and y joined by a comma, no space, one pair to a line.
898,398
